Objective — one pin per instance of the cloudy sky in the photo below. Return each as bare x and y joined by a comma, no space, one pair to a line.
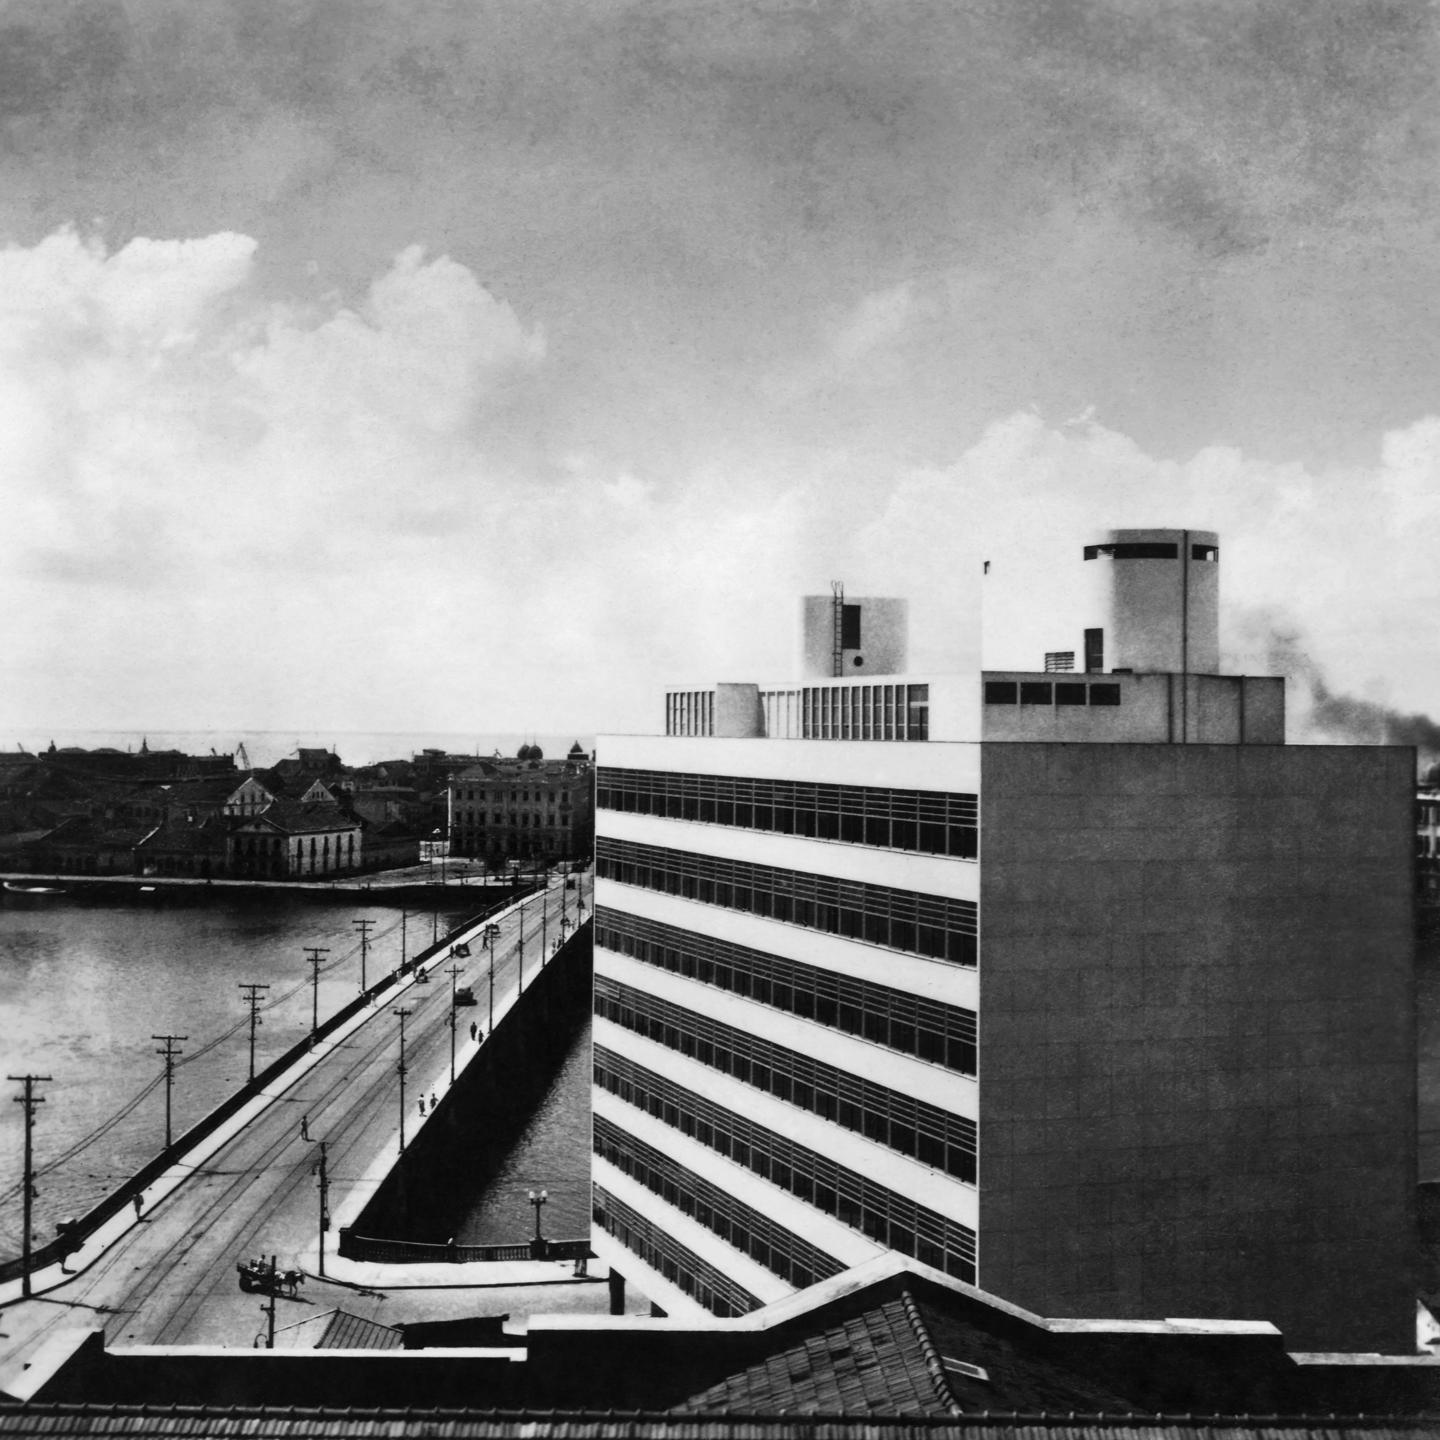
436,364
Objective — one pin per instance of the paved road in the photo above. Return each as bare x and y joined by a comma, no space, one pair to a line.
171,1280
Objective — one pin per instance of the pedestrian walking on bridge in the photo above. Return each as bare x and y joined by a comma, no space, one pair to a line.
304,1127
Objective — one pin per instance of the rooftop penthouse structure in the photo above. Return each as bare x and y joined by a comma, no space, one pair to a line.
1075,982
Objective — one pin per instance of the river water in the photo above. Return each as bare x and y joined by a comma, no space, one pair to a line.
85,984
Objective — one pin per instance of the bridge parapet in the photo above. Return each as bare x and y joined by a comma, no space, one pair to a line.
418,1252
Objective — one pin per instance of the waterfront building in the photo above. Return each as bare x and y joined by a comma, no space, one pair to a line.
390,845
251,797
196,847
527,807
290,842
1069,978
85,846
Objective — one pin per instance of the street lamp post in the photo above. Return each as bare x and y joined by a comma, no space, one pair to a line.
537,1245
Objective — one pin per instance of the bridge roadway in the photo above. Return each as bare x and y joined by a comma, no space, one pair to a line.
170,1279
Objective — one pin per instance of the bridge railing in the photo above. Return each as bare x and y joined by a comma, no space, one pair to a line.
75,1235
418,1252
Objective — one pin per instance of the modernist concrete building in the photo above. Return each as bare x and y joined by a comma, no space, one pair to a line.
1084,988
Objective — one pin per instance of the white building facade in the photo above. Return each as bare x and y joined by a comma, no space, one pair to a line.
829,1022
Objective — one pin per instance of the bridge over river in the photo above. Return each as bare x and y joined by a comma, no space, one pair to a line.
250,1187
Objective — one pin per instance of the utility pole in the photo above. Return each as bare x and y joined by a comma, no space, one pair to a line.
29,1100
324,1175
270,1308
404,916
492,934
314,957
454,972
545,917
520,961
169,1052
363,926
401,1070
252,998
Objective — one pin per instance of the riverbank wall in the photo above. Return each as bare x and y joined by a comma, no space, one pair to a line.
374,889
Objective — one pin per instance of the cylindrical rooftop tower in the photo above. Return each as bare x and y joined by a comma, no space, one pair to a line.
1162,601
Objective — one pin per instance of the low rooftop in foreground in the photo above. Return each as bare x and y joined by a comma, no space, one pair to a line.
891,1339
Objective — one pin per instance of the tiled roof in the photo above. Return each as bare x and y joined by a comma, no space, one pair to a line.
301,819
1016,1377
81,830
353,1332
874,1364
183,1422
181,791
207,835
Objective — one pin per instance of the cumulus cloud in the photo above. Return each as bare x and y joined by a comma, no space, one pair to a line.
226,511
1343,554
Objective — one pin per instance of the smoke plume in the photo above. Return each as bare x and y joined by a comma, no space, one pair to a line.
1320,715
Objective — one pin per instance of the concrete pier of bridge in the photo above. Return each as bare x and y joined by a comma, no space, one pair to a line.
167,1274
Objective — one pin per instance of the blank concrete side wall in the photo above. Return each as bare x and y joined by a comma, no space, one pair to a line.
1153,709
884,637
738,715
1197,1036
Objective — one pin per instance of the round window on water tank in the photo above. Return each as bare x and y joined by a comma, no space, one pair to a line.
858,660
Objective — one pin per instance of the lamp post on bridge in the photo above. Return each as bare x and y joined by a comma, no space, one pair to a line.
537,1245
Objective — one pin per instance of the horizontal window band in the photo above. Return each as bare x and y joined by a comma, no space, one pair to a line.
942,1034
660,1250
928,822
781,1251
931,925
899,1122
879,1213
